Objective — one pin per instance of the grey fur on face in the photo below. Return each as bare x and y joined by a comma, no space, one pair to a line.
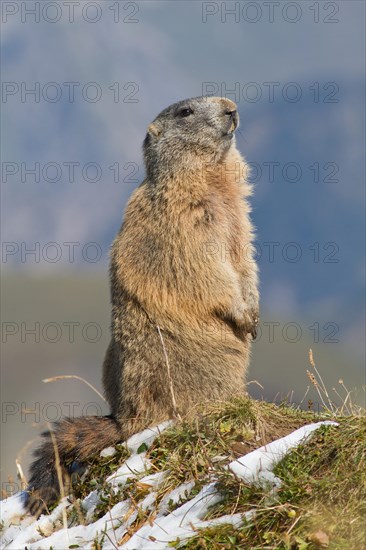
187,132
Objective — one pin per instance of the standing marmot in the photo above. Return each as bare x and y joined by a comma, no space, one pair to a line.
183,284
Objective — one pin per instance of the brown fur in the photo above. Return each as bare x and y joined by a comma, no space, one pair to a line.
77,440
183,262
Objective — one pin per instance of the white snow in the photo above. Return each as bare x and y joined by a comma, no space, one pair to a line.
175,496
154,480
21,530
134,465
83,535
257,466
11,508
146,437
178,524
109,451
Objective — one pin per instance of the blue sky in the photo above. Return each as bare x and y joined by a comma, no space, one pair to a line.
163,52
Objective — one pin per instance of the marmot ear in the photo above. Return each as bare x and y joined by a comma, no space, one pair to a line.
155,129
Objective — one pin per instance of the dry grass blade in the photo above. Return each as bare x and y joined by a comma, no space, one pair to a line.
18,460
348,395
323,386
67,376
255,382
174,403
115,543
311,358
314,381
346,405
59,474
21,475
305,394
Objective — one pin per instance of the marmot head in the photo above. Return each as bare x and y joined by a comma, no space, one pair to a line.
189,133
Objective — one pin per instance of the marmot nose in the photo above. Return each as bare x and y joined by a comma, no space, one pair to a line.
234,118
228,104
232,112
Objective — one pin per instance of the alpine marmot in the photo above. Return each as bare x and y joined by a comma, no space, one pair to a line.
184,289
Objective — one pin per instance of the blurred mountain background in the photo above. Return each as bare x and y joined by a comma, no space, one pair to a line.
297,74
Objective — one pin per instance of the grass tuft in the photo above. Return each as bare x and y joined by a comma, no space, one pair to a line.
320,504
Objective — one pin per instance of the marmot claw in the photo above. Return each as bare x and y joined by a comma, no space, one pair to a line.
253,323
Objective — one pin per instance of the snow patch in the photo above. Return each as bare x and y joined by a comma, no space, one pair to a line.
109,451
146,437
257,466
21,530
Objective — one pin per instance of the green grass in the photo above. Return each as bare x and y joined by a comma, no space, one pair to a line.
194,449
98,469
320,504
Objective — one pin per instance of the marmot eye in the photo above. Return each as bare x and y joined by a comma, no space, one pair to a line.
185,112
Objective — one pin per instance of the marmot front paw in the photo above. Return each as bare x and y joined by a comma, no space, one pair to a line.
247,319
252,322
